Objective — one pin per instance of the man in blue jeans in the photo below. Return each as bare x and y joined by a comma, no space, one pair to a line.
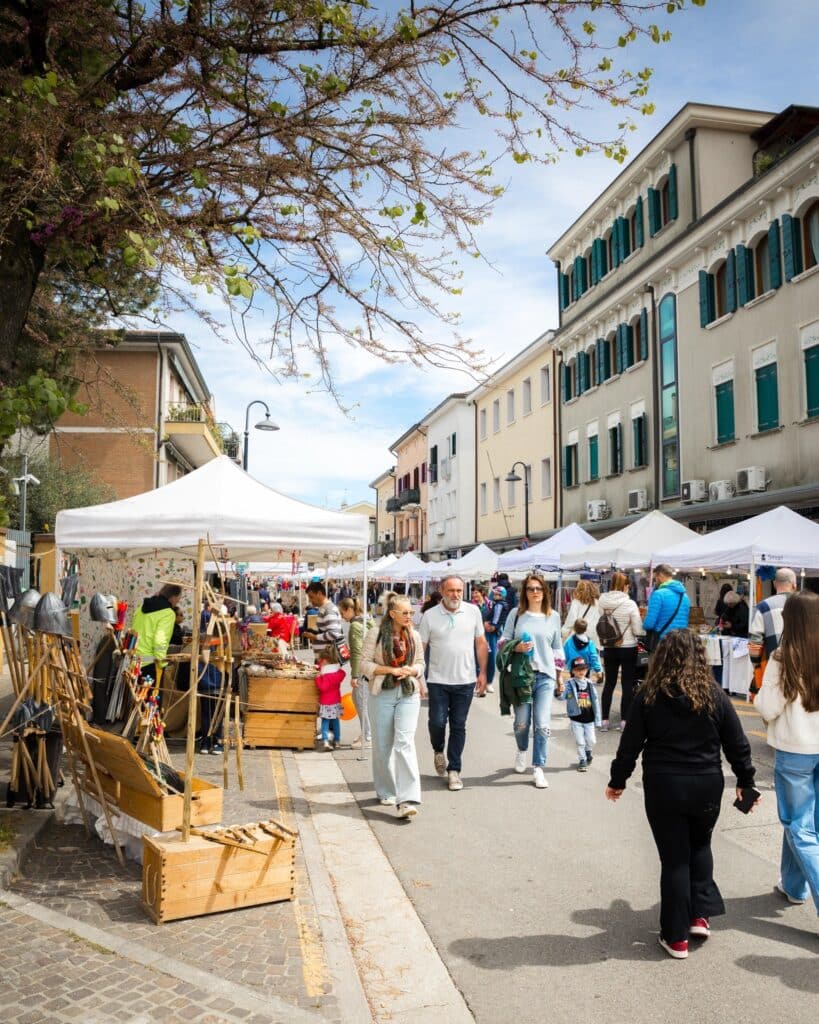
453,635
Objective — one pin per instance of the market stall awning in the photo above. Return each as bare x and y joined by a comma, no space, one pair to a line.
634,547
546,554
408,567
480,562
220,502
777,537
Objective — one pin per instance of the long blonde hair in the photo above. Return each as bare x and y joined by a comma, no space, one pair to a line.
586,592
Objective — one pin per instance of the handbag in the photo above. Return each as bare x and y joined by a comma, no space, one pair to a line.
342,650
653,637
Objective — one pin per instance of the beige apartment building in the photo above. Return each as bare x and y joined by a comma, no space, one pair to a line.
384,487
150,416
408,505
689,333
516,425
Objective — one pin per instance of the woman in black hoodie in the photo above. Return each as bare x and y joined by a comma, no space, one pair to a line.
681,720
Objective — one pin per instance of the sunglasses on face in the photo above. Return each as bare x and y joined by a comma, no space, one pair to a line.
534,590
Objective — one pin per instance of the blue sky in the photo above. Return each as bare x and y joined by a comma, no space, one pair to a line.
745,53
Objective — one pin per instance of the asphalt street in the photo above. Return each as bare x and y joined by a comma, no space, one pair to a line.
543,904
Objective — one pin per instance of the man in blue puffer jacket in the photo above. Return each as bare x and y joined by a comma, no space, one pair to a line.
668,606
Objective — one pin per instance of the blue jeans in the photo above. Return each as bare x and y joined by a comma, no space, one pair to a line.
796,778
492,641
449,704
393,720
541,711
335,725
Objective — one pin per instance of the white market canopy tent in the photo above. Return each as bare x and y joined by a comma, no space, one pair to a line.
634,547
546,554
777,537
219,502
408,568
480,562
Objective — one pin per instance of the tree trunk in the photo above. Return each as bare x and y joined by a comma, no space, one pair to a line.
21,263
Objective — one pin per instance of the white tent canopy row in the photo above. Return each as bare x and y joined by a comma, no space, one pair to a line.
634,547
779,537
240,517
546,554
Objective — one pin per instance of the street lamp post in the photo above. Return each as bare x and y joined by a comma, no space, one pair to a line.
512,478
265,424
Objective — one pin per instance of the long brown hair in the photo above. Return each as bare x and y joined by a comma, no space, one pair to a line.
678,668
798,651
546,602
619,581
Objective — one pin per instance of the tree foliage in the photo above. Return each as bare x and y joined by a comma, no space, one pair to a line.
294,149
59,488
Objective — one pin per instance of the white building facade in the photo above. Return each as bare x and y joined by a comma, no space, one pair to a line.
450,429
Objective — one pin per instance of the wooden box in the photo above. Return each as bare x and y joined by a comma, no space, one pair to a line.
280,729
131,787
189,879
279,693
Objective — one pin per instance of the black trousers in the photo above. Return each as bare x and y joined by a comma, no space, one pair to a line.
624,661
682,811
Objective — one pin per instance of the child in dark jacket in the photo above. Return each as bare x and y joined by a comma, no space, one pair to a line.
583,710
328,682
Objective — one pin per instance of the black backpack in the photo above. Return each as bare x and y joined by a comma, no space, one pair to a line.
608,632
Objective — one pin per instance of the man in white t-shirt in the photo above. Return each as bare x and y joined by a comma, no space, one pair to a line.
453,634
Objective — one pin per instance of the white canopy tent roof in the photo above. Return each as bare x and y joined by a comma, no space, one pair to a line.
407,568
633,547
546,554
218,502
777,537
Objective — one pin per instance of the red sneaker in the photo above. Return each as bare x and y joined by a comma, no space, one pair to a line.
679,950
700,927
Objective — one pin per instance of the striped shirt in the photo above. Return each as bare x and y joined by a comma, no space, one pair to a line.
766,626
329,626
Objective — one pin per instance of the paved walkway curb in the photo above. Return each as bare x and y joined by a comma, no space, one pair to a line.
27,827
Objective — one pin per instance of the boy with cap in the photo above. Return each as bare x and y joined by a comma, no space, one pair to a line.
582,709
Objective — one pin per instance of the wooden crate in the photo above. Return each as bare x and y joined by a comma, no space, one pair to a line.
131,787
189,879
280,729
279,693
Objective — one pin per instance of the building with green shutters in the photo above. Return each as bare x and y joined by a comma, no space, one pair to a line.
688,344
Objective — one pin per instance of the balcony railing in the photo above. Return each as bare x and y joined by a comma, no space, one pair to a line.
392,505
411,496
192,412
406,544
383,547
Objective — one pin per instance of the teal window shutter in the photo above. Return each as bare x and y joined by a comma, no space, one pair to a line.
812,380
564,291
580,372
767,398
639,235
625,241
566,382
576,278
567,473
606,360
599,345
644,333
593,263
628,345
639,438
618,350
725,411
615,244
791,245
673,200
774,255
655,220
584,275
731,281
602,259
594,458
707,299
745,276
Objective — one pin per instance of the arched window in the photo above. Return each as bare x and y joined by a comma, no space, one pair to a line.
668,397
721,289
810,235
762,266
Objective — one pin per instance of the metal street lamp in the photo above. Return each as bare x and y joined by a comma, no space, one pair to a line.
19,485
265,424
512,478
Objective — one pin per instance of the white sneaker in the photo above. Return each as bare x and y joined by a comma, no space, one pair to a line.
328,745
440,764
455,782
387,801
541,782
407,810
604,725
791,899
356,744
520,762
490,688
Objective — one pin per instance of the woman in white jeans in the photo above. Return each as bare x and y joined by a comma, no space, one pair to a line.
393,662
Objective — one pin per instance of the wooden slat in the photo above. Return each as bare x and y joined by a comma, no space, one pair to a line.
269,693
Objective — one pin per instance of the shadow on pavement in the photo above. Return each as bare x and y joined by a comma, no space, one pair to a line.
799,974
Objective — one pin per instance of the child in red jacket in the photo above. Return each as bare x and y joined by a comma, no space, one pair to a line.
328,682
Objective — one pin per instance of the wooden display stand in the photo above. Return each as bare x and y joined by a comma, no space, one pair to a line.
206,876
281,712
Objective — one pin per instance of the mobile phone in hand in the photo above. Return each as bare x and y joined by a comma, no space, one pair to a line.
749,798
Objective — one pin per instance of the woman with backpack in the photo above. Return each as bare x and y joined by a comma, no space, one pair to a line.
618,627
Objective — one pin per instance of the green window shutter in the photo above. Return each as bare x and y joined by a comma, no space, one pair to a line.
606,360
616,449
594,462
731,281
616,247
791,245
584,275
567,472
812,380
655,221
639,234
673,200
625,241
725,411
707,301
576,278
744,286
644,333
580,371
628,345
618,350
602,259
598,350
774,255
566,382
639,436
767,398
593,263
563,288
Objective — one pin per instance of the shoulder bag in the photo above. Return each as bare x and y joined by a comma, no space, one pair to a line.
654,636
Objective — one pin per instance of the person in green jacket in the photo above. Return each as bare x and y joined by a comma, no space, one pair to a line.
154,622
352,612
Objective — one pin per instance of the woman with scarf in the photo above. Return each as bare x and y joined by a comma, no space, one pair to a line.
393,663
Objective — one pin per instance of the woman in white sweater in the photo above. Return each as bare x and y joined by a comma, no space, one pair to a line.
789,702
621,658
583,606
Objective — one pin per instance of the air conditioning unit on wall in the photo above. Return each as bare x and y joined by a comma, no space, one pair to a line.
721,490
694,490
753,478
638,500
597,510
